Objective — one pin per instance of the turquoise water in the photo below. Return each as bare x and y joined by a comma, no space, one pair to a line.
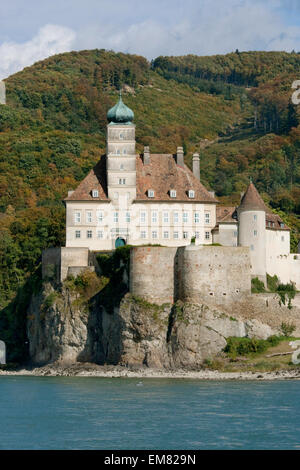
100,413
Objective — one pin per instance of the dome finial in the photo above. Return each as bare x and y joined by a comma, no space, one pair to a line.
120,113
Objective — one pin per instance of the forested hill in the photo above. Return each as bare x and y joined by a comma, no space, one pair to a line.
235,109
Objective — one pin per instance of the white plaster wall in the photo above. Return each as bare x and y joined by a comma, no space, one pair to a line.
295,269
249,222
131,231
277,254
227,235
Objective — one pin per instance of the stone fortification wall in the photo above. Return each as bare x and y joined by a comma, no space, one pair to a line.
57,261
152,273
203,274
214,274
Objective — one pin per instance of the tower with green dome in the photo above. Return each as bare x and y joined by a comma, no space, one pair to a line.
120,155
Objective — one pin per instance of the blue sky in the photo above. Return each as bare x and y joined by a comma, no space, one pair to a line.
35,29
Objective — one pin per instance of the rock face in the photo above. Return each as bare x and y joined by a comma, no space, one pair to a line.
135,333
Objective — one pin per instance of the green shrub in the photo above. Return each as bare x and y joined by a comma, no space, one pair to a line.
257,286
49,301
287,328
286,292
243,346
272,283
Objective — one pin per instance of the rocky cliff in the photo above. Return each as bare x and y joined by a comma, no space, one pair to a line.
64,328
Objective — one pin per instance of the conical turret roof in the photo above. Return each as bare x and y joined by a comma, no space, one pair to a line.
120,113
252,201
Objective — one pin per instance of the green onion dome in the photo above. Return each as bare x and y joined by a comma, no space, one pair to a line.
120,113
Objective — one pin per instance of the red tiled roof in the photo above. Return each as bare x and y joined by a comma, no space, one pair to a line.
225,214
252,200
161,175
95,179
273,221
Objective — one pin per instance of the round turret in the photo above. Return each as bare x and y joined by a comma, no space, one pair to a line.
252,229
120,113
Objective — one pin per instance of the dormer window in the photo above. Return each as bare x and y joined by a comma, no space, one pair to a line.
150,193
95,193
191,194
172,193
282,225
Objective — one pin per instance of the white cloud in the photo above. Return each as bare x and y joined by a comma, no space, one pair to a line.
51,39
159,27
204,28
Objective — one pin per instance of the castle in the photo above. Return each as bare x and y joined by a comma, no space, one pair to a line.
155,199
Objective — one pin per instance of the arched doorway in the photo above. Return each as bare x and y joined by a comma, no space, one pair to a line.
120,242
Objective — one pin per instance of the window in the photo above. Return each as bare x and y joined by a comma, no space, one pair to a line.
185,234
122,135
282,238
255,233
197,235
166,234
142,217
207,217
176,217
124,151
118,152
154,217
122,181
77,234
99,217
77,217
166,217
185,217
116,195
150,193
172,193
176,235
252,247
154,234
99,234
197,218
191,194
89,234
207,235
143,234
122,167
95,193
116,217
281,225
127,217
255,217
88,217
235,234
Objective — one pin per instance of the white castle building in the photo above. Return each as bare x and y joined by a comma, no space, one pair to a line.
156,199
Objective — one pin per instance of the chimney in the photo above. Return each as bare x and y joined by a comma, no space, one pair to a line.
146,158
196,165
180,157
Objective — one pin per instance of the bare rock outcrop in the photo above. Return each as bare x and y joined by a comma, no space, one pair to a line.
62,328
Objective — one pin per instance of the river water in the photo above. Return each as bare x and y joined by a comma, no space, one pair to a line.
103,413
